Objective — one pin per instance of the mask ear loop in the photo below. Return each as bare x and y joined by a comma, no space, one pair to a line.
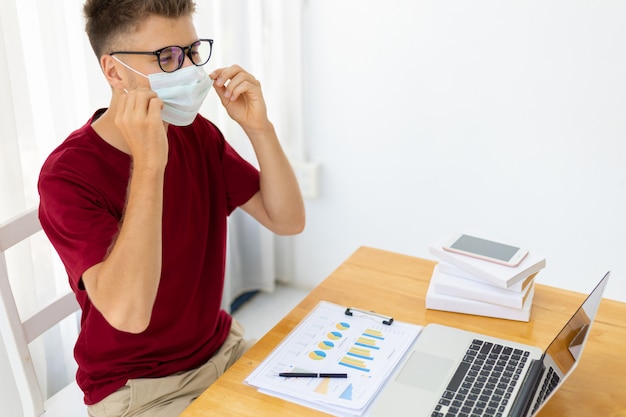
130,68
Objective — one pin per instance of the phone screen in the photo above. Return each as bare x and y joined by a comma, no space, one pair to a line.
485,247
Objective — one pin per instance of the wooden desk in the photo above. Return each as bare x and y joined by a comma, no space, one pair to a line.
396,285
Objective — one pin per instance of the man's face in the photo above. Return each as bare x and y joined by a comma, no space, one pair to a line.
154,33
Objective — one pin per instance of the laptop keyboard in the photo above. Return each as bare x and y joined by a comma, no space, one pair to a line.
483,382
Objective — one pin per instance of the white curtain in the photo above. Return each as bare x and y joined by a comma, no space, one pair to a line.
51,84
41,75
264,38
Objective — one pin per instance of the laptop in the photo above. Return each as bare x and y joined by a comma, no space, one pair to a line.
452,372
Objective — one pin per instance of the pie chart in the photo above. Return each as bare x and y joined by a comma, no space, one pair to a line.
317,355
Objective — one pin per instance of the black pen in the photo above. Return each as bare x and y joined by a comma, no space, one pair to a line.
311,375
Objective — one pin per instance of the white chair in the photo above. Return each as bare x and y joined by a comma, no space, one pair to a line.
17,334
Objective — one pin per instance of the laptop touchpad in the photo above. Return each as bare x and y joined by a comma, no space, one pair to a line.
425,371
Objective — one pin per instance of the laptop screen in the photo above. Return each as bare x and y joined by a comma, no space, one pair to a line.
564,351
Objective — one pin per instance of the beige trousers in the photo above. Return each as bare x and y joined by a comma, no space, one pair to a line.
170,395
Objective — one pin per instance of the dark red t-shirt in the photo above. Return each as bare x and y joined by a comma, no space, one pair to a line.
83,186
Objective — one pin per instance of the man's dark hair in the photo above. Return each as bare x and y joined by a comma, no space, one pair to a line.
107,21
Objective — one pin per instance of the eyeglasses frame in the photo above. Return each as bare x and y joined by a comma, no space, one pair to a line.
186,52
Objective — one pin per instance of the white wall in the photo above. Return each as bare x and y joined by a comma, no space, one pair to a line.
432,117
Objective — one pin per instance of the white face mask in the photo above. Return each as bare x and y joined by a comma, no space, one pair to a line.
182,92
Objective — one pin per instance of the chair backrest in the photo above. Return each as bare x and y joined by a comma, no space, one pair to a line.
16,333
9,394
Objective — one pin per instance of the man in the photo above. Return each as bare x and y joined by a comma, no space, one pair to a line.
136,201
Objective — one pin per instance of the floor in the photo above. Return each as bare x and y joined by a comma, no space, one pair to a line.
259,314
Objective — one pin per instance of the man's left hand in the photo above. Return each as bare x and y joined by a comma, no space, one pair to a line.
241,95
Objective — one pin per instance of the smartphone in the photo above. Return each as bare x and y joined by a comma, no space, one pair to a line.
485,249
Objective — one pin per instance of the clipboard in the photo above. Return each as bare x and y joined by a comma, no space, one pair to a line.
384,319
335,339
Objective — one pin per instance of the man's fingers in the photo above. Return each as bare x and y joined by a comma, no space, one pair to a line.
221,76
240,84
155,106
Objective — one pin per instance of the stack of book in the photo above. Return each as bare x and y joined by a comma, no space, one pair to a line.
464,284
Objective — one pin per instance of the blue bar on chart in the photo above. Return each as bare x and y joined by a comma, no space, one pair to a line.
361,353
366,342
354,363
376,334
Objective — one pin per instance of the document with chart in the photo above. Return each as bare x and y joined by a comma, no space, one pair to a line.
358,350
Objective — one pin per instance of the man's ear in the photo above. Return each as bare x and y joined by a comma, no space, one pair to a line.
110,69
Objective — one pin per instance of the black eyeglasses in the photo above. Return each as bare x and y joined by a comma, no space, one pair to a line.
171,58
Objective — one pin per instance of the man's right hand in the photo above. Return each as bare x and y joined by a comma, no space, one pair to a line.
138,119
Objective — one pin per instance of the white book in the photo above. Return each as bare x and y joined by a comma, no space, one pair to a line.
474,290
495,274
518,287
443,302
